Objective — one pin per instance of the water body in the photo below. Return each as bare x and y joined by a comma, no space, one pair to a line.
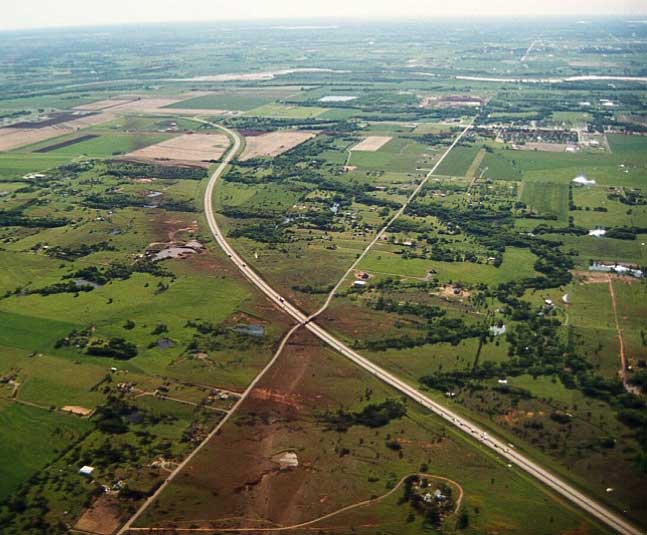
587,78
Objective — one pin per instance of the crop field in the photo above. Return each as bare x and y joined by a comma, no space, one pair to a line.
273,143
198,149
398,155
372,143
99,146
458,162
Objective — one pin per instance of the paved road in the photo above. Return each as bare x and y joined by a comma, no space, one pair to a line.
603,514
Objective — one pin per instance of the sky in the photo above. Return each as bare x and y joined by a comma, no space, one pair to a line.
18,14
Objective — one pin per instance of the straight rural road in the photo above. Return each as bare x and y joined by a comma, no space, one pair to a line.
603,514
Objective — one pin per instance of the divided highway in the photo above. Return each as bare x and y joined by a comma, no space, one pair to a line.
590,505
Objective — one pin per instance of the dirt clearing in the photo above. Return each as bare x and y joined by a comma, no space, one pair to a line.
195,149
372,143
76,409
102,517
273,143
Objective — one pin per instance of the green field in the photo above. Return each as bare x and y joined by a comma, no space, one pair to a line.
458,161
285,111
239,100
32,438
102,146
547,198
563,167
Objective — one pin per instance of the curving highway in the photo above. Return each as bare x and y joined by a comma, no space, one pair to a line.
602,513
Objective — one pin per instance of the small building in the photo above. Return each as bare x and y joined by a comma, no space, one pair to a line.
618,269
597,232
583,181
497,330
359,284
86,471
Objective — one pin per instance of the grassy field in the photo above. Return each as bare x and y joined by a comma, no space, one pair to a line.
103,145
563,167
32,438
349,466
517,263
547,198
15,165
240,99
285,111
458,161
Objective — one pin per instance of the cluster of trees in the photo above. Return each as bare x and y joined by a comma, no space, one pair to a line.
314,290
119,271
449,330
72,253
416,487
16,218
373,415
211,337
127,169
116,348
73,287
631,197
428,312
264,233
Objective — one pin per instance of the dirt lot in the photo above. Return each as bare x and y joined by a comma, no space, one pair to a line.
76,409
274,143
196,149
102,517
372,143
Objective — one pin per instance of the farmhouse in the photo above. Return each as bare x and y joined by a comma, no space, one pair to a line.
359,284
86,471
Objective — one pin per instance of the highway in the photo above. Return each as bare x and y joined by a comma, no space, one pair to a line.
603,514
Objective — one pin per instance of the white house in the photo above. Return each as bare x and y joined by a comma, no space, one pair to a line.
86,470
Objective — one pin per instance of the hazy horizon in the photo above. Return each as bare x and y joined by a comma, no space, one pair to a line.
36,14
